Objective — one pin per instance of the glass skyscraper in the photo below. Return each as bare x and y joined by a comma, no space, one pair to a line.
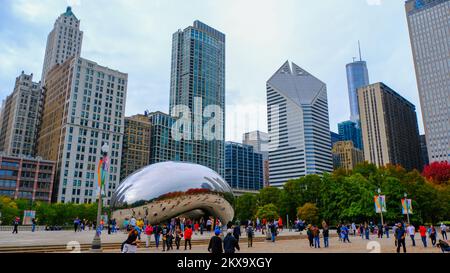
243,167
429,30
350,131
198,82
357,76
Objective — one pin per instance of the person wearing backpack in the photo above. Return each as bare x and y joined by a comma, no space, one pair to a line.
148,232
250,235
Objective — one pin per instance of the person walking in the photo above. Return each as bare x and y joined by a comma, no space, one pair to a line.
443,231
215,244
148,232
157,233
367,232
237,231
208,224
202,225
423,235
188,237
361,231
345,233
273,231
412,233
164,233
400,237
169,240
178,235
354,229
338,230
33,224
316,235
130,245
250,234
433,235
76,223
380,231
230,243
309,233
326,235
16,222
386,230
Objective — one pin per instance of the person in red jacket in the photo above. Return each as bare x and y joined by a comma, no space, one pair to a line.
188,237
423,235
196,227
148,232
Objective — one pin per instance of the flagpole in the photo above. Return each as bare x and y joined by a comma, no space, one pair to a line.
407,206
97,243
381,205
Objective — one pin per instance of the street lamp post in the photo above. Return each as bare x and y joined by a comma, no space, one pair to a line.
407,207
381,210
96,242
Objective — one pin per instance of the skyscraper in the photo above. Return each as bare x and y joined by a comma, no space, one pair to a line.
84,105
63,42
350,131
357,76
346,156
20,117
298,125
429,32
243,167
260,143
136,145
389,127
198,82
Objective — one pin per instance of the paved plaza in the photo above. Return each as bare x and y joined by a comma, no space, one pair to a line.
358,245
290,244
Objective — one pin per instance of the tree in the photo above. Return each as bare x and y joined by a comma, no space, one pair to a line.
438,173
309,213
268,212
246,206
269,195
9,210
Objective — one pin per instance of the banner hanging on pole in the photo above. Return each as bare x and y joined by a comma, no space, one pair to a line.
380,203
407,206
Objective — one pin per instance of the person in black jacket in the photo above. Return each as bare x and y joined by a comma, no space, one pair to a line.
237,231
215,244
230,244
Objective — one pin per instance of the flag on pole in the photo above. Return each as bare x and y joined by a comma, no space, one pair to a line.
407,206
102,170
380,203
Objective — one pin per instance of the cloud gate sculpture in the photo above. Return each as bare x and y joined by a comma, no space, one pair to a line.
166,190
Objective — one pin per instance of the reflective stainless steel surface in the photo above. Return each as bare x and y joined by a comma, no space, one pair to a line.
165,190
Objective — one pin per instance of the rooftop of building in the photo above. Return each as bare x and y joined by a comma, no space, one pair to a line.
391,91
413,6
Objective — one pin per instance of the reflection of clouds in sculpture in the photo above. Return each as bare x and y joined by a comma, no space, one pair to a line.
165,190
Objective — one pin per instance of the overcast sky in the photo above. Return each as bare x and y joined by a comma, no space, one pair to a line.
134,36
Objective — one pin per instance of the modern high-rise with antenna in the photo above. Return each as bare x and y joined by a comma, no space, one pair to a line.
357,76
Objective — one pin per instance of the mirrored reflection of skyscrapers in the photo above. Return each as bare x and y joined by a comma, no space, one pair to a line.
429,31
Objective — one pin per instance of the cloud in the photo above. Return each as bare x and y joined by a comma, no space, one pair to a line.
134,36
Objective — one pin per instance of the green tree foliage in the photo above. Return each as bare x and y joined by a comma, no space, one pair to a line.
309,213
46,214
246,206
348,196
269,195
268,212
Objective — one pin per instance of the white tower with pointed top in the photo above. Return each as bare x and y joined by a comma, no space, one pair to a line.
298,124
63,42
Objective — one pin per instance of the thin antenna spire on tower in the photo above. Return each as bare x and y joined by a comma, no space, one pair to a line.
359,47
